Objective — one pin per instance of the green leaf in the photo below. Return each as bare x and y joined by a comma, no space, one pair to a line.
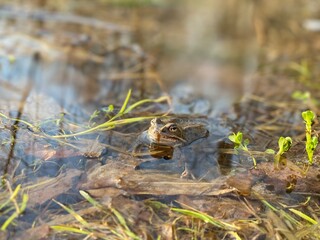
236,137
287,142
308,116
232,138
239,136
270,151
312,144
314,141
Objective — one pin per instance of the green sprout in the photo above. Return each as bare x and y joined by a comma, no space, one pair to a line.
284,146
240,144
311,141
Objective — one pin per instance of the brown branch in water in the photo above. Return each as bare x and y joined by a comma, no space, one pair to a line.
14,128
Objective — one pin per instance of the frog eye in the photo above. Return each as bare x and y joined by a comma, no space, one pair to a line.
173,128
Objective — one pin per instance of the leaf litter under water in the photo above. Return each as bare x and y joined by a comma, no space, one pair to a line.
219,207
184,222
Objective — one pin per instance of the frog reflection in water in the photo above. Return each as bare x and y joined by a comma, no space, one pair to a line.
163,136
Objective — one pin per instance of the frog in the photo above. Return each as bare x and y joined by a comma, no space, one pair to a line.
165,135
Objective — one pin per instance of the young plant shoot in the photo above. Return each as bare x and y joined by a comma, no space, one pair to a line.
284,146
240,144
311,141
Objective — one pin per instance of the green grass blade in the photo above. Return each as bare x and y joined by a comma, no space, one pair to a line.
112,123
304,216
122,222
72,212
24,202
15,192
120,218
9,220
70,229
206,218
281,212
105,125
289,217
13,195
269,205
18,211
125,103
89,198
160,99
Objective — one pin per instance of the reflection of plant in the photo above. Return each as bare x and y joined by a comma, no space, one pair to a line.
284,145
311,141
240,144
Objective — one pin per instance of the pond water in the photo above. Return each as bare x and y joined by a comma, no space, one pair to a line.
81,81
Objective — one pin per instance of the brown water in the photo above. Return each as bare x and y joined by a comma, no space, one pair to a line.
231,65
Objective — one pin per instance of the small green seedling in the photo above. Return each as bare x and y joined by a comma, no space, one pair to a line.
284,146
311,141
240,144
236,138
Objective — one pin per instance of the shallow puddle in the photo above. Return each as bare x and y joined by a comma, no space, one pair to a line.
115,120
